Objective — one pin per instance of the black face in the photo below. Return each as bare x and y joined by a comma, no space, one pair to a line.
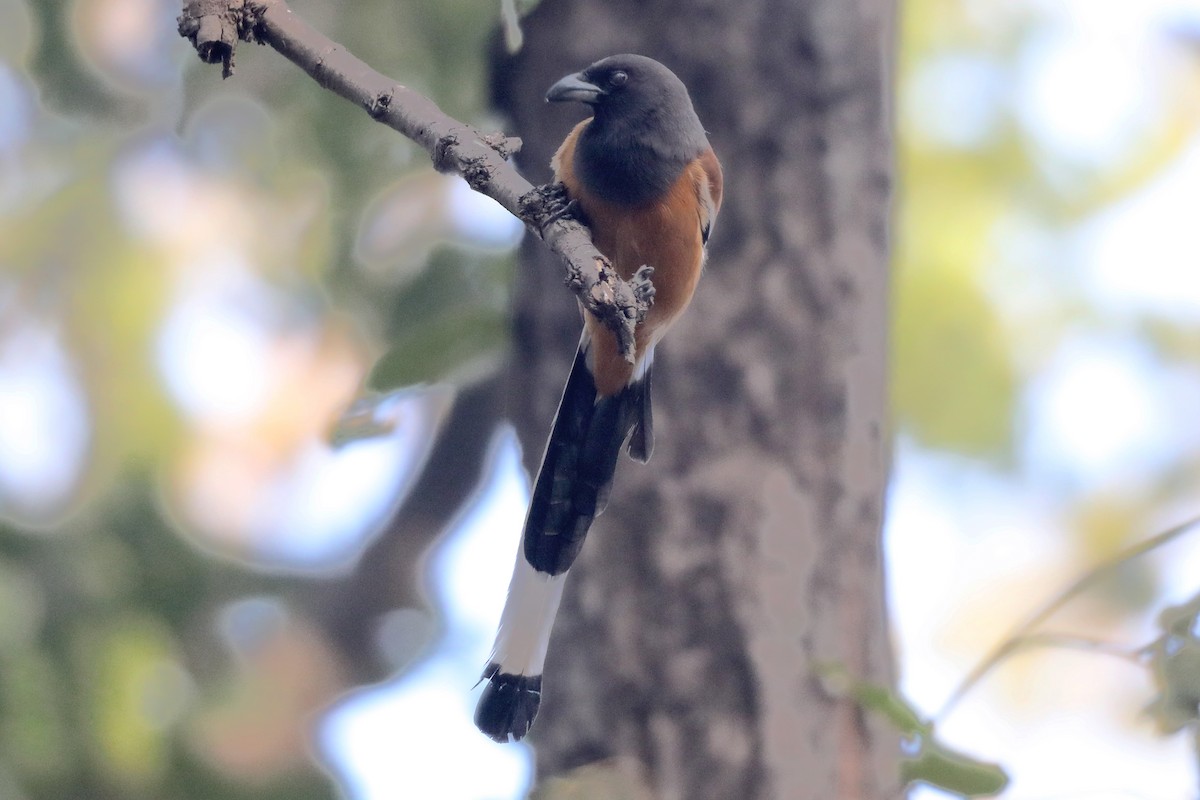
629,82
610,79
644,130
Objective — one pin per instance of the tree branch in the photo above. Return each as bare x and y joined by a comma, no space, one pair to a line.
214,26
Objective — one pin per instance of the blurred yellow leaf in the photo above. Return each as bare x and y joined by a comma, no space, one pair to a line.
137,692
954,384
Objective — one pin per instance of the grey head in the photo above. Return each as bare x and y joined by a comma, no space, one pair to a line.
643,132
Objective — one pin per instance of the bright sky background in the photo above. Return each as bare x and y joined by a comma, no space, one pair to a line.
414,736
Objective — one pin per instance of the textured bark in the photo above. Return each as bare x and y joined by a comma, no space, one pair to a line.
748,550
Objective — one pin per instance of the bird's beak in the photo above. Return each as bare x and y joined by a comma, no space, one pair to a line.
574,87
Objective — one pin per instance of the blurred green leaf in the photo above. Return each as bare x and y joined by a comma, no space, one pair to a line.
22,607
457,346
931,761
1175,667
450,323
33,730
881,700
66,83
951,771
136,695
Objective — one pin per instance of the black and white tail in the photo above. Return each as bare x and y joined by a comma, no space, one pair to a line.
571,490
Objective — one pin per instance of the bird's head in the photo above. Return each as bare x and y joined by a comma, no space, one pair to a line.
643,129
626,85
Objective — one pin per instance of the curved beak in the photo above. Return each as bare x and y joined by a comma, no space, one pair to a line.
573,87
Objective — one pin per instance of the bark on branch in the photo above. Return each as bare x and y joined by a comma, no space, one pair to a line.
214,26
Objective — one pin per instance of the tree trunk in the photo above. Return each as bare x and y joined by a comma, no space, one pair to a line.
748,550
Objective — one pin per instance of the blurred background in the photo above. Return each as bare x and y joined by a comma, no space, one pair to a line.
238,319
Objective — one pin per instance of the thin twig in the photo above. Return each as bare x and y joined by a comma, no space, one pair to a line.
213,27
1067,641
1023,632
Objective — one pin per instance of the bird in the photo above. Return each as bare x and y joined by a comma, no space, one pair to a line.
641,174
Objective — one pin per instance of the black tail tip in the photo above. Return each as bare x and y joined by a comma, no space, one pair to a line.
508,704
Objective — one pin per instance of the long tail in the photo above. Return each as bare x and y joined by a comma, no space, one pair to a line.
571,490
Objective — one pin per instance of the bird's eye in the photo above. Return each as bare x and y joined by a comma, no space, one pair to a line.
618,78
